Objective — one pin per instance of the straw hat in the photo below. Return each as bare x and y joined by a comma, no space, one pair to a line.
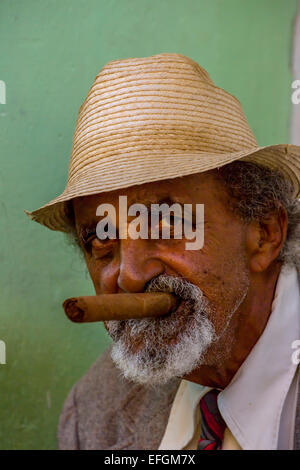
154,118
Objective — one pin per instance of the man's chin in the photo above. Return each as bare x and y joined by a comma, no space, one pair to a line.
157,365
141,365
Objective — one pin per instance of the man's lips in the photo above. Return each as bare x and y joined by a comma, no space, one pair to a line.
177,309
179,302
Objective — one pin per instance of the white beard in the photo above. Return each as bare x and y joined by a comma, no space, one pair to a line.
170,346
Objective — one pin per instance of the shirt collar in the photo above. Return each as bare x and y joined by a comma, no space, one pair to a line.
181,424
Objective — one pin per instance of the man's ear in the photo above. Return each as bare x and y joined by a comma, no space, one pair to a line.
265,238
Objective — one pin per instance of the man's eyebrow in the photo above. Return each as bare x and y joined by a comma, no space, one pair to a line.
166,200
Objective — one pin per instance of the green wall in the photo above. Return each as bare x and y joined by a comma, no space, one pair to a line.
50,52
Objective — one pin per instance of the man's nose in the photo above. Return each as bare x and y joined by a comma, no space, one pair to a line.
137,265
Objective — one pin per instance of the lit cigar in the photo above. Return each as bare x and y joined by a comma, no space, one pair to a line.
119,306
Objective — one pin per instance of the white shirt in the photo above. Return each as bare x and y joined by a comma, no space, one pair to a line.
259,404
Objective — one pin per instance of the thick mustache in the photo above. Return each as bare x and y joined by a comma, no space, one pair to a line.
178,286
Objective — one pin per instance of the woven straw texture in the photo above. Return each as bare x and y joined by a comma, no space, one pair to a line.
155,118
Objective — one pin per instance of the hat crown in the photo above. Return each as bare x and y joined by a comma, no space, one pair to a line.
160,64
164,104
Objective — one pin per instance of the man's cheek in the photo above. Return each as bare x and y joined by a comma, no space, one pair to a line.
95,275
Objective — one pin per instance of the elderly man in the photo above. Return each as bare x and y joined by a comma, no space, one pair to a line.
219,372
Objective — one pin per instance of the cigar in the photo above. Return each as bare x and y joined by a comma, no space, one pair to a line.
119,306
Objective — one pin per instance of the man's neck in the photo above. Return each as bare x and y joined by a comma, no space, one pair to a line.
244,330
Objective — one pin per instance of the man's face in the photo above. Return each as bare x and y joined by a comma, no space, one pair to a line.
212,282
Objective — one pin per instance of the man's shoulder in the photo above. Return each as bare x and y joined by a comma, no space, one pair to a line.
106,411
102,384
90,401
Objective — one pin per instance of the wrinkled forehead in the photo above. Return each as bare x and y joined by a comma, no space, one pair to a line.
201,188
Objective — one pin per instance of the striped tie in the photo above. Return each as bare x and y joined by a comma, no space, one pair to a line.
212,423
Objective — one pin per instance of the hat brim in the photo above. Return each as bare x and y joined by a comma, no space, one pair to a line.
124,172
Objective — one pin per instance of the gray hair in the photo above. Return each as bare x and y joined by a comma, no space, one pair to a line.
256,192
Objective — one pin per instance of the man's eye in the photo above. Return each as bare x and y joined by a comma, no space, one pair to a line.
100,248
172,220
87,243
170,224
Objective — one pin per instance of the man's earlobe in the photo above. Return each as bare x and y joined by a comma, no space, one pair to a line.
265,239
